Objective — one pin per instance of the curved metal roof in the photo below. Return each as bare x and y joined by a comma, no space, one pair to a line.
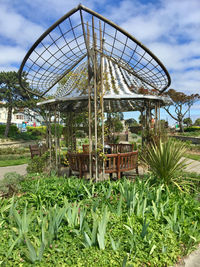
62,49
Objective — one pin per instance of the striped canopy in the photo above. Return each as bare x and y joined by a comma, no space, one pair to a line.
62,52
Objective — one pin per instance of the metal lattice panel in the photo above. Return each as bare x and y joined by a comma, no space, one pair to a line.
62,49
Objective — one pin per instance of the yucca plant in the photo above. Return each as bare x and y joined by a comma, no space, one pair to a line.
165,160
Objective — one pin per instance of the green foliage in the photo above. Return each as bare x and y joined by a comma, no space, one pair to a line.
13,130
58,128
13,96
10,184
165,160
192,156
131,122
13,150
38,164
182,103
192,129
187,121
152,225
197,122
37,131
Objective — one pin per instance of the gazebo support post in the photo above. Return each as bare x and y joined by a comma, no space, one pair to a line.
50,140
95,99
159,124
47,129
89,102
55,138
59,136
142,111
102,95
156,117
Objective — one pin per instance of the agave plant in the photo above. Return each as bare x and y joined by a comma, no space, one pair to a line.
165,159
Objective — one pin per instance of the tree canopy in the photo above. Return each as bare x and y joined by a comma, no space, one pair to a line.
12,96
131,122
187,121
197,122
181,104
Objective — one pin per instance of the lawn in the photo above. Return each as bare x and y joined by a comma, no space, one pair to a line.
193,156
12,156
54,221
13,162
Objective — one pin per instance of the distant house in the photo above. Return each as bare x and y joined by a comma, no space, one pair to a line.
24,115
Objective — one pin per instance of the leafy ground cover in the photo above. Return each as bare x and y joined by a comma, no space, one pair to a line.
72,222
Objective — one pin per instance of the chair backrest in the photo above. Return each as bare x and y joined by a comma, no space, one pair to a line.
35,150
73,161
115,148
128,161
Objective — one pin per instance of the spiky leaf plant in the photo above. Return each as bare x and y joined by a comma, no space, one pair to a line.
165,160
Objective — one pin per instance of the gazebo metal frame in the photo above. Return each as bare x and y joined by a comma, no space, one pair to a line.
83,35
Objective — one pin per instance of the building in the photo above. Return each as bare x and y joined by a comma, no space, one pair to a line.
24,115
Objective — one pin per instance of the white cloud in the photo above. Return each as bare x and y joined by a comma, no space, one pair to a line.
17,28
170,28
10,54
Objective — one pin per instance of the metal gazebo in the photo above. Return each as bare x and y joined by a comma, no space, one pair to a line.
85,61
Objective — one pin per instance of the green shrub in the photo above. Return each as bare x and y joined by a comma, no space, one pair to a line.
59,129
13,150
10,184
37,131
38,164
192,129
165,159
13,131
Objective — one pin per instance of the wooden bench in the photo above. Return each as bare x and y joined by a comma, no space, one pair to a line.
79,162
114,163
115,148
121,162
37,150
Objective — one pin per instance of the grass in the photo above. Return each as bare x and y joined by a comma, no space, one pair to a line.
13,162
190,134
193,156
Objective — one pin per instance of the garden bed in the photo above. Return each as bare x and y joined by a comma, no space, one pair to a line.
73,222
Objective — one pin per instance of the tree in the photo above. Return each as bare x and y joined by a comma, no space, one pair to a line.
13,97
182,103
131,122
197,122
187,121
114,125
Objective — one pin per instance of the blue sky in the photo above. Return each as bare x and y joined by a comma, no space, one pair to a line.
169,28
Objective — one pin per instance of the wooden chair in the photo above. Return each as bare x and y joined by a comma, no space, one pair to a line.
35,150
79,163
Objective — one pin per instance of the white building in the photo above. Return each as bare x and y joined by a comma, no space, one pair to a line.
30,117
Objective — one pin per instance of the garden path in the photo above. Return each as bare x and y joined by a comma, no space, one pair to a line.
193,260
21,169
194,166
